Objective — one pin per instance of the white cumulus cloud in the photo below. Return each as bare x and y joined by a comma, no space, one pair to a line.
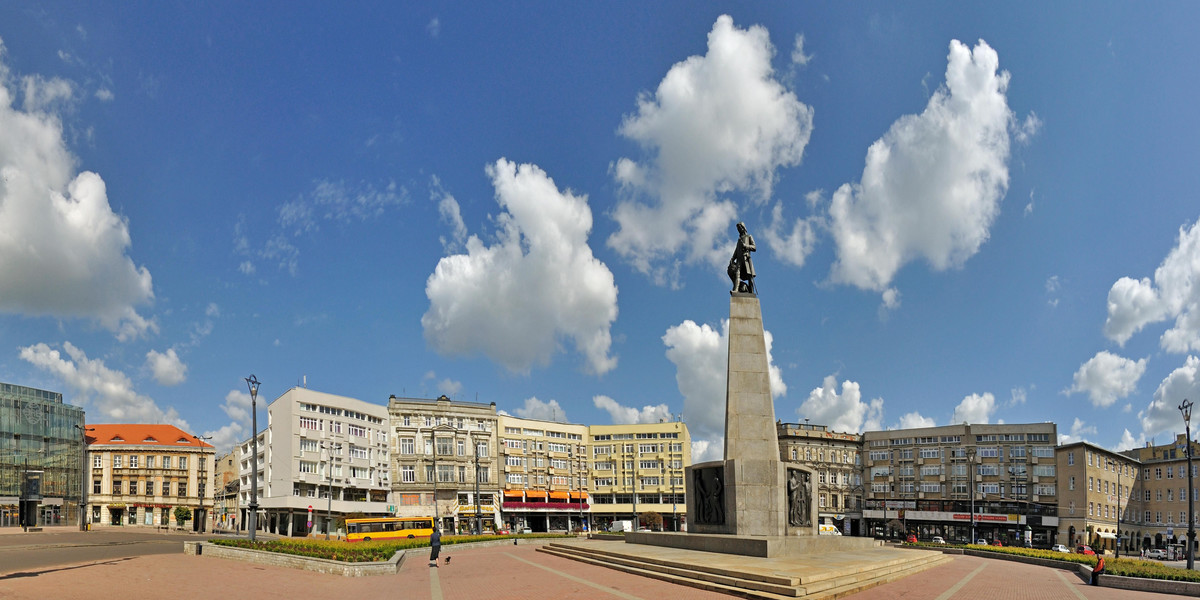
1162,414
1173,294
700,353
976,409
539,282
625,415
543,411
63,251
1079,432
932,185
112,391
167,368
843,411
914,420
717,124
1107,378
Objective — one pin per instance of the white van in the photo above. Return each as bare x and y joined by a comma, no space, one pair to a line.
829,530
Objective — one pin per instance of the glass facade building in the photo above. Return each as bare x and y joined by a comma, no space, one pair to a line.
38,432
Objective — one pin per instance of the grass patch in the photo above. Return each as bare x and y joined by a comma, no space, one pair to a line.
372,551
1125,567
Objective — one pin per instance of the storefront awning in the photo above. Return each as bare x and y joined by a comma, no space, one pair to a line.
512,493
531,494
559,495
1106,535
579,495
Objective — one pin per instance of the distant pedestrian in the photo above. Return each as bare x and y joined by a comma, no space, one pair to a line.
435,542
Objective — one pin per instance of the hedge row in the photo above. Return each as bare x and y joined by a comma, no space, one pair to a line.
372,551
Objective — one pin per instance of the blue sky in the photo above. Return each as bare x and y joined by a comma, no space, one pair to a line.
964,212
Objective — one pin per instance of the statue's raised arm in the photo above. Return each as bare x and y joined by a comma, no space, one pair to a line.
741,267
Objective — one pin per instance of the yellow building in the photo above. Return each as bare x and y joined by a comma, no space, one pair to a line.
637,470
140,475
1163,488
544,474
1097,485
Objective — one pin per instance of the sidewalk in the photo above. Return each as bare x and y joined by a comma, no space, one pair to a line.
500,572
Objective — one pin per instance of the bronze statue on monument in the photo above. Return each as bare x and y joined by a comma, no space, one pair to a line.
741,267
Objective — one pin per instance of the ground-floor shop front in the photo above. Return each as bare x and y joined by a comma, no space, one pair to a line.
47,512
956,526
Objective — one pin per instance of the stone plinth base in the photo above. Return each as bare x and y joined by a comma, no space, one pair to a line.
760,546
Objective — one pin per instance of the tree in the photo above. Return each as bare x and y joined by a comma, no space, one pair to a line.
182,513
652,520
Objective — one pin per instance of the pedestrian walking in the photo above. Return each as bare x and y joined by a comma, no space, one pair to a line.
435,543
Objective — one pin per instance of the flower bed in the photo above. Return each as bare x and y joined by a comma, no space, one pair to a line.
373,551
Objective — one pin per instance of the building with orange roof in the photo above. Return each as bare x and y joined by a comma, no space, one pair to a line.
140,475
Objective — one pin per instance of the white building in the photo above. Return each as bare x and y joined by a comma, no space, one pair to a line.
314,443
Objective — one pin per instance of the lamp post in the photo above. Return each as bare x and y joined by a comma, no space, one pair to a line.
329,502
971,479
253,383
83,481
1186,409
478,522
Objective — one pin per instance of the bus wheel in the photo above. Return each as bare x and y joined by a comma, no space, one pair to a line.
410,536
366,539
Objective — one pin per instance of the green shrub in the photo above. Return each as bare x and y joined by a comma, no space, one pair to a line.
372,551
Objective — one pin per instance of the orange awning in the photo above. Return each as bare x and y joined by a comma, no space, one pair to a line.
512,493
559,495
535,494
579,495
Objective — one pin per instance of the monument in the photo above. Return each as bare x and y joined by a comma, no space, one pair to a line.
751,492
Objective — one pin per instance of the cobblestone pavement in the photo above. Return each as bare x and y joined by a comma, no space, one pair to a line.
498,572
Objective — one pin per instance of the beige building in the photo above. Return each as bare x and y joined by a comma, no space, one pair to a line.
1097,486
837,460
444,461
141,473
992,482
225,492
1162,516
638,469
545,474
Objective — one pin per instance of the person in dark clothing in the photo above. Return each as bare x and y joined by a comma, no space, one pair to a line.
1097,571
435,542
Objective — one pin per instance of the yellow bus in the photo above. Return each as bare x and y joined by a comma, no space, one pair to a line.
387,528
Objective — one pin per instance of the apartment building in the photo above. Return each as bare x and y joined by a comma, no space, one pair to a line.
322,457
444,462
1100,503
1161,521
638,469
995,482
140,475
837,460
545,483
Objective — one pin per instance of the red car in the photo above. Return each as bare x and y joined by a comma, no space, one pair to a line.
1084,550
912,539
997,543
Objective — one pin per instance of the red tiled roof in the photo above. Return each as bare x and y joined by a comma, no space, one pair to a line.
137,434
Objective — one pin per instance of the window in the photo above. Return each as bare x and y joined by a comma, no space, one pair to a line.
335,426
408,474
133,461
182,462
133,515
989,452
309,423
408,446
308,466
481,449
166,462
182,488
462,447
1071,484
1043,451
1158,472
445,473
359,452
1044,470
117,486
445,446
166,489
116,461
360,472
149,462
1170,473
356,430
462,474
307,445
1070,458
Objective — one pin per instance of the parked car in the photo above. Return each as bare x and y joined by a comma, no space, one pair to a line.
1158,553
912,539
1084,549
937,539
981,542
997,543
1060,548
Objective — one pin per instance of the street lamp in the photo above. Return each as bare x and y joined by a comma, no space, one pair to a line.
971,479
329,468
1186,409
253,382
478,522
85,479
